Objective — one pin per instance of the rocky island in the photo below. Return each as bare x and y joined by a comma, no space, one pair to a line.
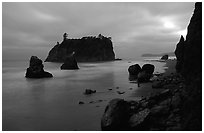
87,49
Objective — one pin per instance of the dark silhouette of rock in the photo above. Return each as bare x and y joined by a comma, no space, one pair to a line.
70,63
87,49
89,91
143,76
189,64
134,69
148,68
36,70
165,57
179,52
115,116
80,102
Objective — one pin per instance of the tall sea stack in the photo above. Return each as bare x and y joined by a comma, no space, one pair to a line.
87,49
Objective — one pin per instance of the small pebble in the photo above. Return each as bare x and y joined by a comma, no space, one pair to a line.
110,89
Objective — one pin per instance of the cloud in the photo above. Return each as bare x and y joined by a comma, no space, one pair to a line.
153,27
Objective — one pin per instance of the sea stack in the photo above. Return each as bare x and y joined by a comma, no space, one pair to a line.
36,70
87,49
70,63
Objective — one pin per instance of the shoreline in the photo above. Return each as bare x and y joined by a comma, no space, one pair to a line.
158,111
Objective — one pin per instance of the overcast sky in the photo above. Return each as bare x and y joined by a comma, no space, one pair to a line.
136,28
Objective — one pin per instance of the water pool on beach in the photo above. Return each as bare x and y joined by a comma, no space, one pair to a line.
52,103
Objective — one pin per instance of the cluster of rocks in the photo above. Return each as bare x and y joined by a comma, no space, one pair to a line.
36,67
141,74
161,81
160,111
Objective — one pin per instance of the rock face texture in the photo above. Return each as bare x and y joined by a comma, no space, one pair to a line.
115,116
70,63
189,55
36,70
87,49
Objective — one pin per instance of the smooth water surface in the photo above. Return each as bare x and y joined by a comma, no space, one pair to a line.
53,103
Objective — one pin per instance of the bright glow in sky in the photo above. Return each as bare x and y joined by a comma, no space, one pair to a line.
136,28
169,25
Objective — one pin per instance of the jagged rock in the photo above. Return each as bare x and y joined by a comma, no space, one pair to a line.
70,63
190,66
134,69
87,49
89,91
148,68
165,57
179,52
36,70
115,116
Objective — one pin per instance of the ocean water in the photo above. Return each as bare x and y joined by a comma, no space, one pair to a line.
52,104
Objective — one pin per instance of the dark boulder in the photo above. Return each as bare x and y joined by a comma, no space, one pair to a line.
134,69
165,57
148,68
143,76
36,70
115,116
70,63
89,91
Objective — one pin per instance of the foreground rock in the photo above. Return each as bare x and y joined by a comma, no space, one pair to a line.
87,49
156,112
115,116
189,55
70,63
36,70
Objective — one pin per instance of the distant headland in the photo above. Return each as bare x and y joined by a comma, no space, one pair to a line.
158,55
87,49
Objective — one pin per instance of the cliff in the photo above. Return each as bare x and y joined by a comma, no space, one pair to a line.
189,65
87,49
